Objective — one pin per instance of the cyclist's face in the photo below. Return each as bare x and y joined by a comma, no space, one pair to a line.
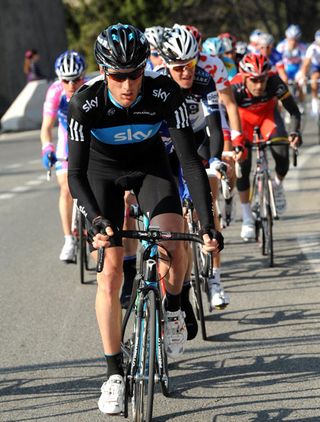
70,87
125,85
183,74
256,86
155,58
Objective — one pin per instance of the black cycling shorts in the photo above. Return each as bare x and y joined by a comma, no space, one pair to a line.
148,175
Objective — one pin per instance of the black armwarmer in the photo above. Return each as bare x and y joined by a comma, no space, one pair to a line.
216,135
290,105
194,173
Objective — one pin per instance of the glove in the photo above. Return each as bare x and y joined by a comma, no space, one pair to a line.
215,165
294,135
48,156
98,225
213,234
244,151
239,141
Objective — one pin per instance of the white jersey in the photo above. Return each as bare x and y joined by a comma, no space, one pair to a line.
313,53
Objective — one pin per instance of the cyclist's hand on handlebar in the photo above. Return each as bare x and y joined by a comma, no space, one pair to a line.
48,156
100,232
213,240
215,168
295,139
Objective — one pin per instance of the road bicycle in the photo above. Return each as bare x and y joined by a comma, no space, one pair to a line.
201,267
143,348
262,194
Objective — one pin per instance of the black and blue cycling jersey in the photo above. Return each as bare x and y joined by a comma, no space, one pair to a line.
107,141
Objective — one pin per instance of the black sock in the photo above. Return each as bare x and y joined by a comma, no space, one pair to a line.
186,306
173,302
129,273
114,364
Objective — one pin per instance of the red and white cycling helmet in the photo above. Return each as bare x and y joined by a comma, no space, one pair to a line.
254,65
195,32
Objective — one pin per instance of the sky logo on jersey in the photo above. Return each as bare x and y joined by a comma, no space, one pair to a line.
89,104
158,93
126,134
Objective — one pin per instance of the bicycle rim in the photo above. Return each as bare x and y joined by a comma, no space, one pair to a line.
162,359
196,287
143,387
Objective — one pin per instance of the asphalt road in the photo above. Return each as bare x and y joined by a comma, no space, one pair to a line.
261,362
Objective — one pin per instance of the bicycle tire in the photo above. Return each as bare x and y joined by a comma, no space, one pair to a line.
267,226
143,388
82,247
196,287
162,367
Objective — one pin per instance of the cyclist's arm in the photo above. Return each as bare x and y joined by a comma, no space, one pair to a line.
227,98
194,173
291,106
211,111
46,129
79,139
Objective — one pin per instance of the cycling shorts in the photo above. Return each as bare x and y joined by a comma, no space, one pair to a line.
314,68
150,179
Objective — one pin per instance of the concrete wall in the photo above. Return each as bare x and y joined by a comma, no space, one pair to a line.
26,24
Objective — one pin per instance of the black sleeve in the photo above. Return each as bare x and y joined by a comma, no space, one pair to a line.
216,135
79,138
194,173
291,106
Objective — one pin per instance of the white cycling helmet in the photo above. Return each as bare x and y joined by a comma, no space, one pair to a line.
265,40
241,48
153,35
293,32
178,44
254,36
317,37
214,46
69,65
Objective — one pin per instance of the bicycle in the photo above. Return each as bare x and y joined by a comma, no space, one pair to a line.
145,359
262,194
200,268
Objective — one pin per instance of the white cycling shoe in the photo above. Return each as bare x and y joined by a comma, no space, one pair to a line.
68,251
176,333
248,231
111,400
217,297
279,198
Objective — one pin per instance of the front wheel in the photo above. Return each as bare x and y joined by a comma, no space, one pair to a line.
143,385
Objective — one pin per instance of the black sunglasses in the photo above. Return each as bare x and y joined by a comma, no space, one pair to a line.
120,76
73,81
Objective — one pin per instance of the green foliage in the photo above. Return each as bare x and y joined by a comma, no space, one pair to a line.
87,18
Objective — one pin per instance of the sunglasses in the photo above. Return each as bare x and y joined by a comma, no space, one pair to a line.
154,54
181,67
259,79
73,81
120,77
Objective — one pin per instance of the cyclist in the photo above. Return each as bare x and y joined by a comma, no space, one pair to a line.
312,63
253,46
257,91
70,68
241,49
153,35
266,47
120,129
292,52
229,41
179,50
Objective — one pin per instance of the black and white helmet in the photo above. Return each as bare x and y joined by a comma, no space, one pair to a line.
153,35
178,44
121,47
69,65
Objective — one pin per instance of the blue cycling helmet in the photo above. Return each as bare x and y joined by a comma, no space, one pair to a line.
214,46
69,65
293,32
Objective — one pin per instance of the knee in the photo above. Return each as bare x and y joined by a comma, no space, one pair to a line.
109,281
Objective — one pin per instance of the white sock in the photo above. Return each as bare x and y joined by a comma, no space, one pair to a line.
68,238
247,216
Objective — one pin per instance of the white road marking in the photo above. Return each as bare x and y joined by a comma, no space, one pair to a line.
6,195
20,189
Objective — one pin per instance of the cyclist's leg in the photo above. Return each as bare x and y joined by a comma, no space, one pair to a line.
65,210
315,75
274,129
130,251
